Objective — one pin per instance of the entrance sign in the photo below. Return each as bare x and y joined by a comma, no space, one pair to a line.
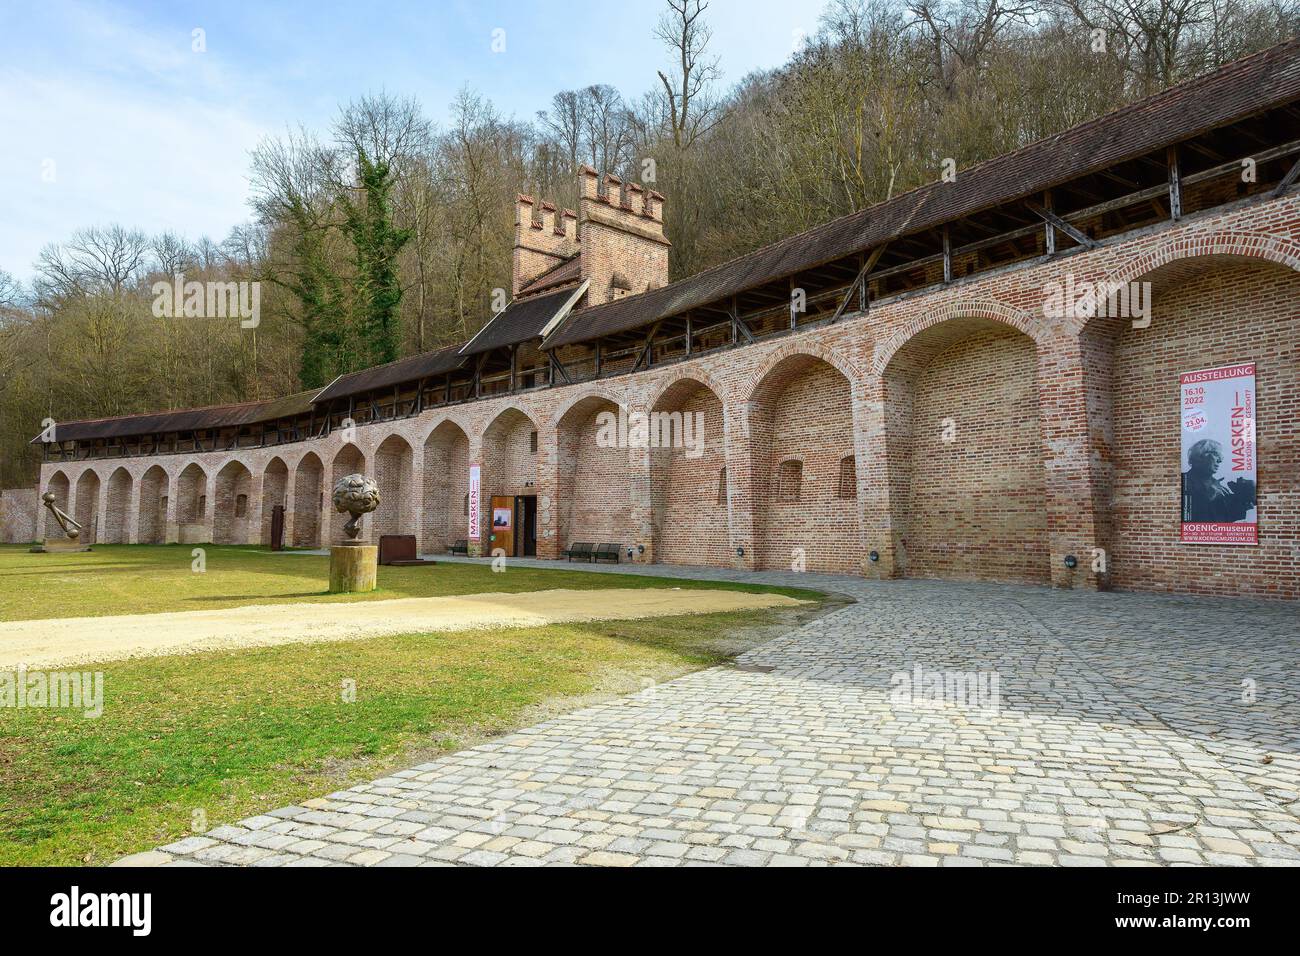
474,471
1218,455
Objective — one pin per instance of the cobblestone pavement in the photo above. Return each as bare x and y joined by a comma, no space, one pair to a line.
1128,730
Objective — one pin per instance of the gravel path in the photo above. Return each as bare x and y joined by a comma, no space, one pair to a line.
63,641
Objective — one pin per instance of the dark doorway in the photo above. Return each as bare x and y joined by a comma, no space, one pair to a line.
526,513
277,527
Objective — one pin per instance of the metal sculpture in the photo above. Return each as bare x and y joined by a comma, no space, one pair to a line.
355,495
69,524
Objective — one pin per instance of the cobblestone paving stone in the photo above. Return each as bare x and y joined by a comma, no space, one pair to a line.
1129,730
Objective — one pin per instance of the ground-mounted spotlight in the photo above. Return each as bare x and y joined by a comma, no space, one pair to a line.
1071,562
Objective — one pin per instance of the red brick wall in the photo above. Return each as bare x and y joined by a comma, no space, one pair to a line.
308,496
595,499
1228,313
805,413
976,505
394,461
446,482
690,523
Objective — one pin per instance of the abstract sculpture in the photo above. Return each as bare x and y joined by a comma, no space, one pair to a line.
355,495
354,567
69,525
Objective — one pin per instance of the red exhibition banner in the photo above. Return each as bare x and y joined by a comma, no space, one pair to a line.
1217,407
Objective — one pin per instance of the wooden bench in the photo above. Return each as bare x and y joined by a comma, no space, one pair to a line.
607,552
580,549
460,547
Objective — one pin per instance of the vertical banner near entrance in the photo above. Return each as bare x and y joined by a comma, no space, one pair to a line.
474,523
1218,448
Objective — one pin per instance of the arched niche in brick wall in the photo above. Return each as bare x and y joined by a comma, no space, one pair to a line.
87,505
275,492
394,473
308,501
348,460
154,495
1214,300
801,409
191,504
230,516
59,486
594,474
446,487
689,517
118,507
963,452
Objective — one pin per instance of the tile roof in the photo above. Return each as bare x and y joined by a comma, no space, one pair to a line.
1236,91
521,320
409,369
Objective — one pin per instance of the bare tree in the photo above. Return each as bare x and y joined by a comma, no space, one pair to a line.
690,106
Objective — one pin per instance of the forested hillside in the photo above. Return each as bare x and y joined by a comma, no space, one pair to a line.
387,233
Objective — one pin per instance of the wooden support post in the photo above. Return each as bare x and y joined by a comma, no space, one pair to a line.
794,316
864,287
1049,232
690,334
1292,174
947,256
514,366
1053,220
598,357
1175,185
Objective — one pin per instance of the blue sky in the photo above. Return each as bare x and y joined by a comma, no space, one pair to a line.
109,115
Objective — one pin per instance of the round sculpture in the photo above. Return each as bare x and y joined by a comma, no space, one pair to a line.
355,495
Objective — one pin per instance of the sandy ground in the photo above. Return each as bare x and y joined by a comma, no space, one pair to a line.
75,640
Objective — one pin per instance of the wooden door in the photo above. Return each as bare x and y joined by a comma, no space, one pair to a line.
502,518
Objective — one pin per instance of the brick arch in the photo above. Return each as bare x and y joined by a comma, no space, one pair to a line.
1238,244
795,350
698,376
445,451
308,500
60,485
688,523
118,506
438,422
989,309
155,491
587,397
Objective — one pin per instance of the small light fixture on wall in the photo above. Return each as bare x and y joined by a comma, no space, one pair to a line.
640,549
1071,562
875,555
740,552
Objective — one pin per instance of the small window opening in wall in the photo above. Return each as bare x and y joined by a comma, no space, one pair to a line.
203,505
789,480
532,443
241,505
848,487
722,486
466,510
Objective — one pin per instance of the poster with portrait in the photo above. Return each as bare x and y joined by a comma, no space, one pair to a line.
501,519
1218,455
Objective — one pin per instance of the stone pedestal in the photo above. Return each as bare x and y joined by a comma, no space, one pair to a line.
59,546
354,568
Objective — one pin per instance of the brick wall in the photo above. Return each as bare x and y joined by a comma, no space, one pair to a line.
1227,313
976,499
690,521
20,510
1098,469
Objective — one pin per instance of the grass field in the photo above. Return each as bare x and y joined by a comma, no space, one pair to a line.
136,579
221,736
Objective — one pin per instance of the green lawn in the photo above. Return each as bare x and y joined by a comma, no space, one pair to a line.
230,734
139,579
